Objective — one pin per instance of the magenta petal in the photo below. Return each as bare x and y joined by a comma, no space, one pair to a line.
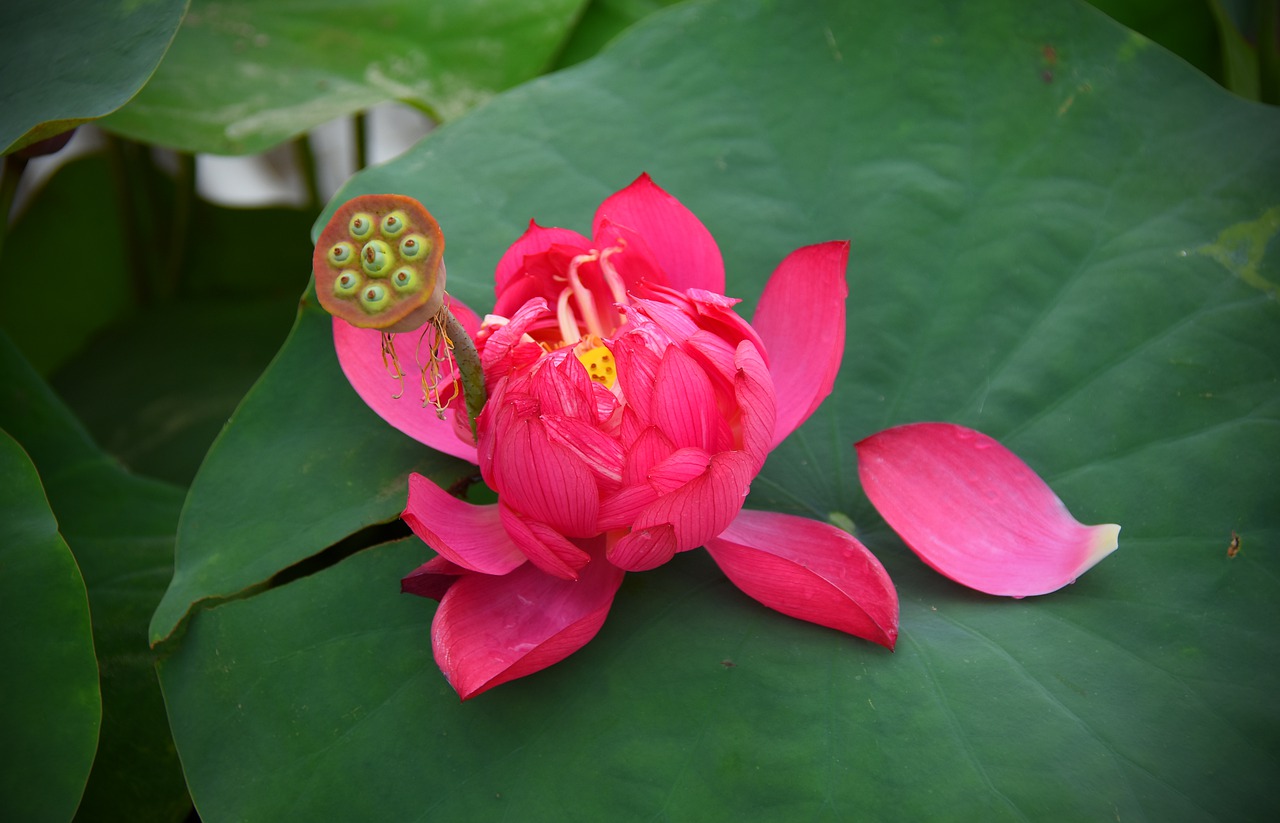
703,507
544,546
432,579
675,236
644,549
534,240
470,536
801,319
972,510
360,354
489,630
810,570
546,481
684,403
753,388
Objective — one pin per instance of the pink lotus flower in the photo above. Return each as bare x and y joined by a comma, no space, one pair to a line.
629,409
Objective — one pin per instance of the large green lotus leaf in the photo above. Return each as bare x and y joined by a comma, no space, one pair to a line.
244,75
68,61
264,498
1072,249
121,529
52,709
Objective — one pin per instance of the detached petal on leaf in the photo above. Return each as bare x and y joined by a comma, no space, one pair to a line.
801,319
810,570
972,510
360,355
489,630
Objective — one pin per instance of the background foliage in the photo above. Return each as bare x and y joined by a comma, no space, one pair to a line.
1063,235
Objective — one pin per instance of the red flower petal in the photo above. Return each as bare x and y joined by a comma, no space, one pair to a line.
534,240
682,245
545,547
544,480
360,355
702,508
810,570
972,510
753,388
489,630
432,579
683,405
470,536
800,318
644,549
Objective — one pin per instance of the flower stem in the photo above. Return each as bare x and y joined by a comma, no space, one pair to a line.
468,360
13,168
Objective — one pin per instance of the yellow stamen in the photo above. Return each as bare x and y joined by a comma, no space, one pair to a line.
598,360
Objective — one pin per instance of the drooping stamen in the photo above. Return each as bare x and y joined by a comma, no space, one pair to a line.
439,355
391,362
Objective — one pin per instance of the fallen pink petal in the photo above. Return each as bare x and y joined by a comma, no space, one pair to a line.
975,512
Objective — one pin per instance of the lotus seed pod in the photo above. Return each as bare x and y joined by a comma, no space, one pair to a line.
399,282
403,279
415,247
341,254
375,258
361,226
393,224
347,284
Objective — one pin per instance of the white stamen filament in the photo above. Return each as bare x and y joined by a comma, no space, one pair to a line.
564,316
614,280
586,304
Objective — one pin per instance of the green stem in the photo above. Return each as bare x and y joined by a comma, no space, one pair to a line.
362,140
13,167
184,196
307,163
127,194
468,360
1268,52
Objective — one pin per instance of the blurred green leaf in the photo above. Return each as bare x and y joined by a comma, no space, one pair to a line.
51,710
156,390
93,292
156,387
245,76
1068,248
1185,27
68,61
120,528
309,440
601,21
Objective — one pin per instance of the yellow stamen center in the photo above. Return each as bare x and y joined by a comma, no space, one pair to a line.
598,360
